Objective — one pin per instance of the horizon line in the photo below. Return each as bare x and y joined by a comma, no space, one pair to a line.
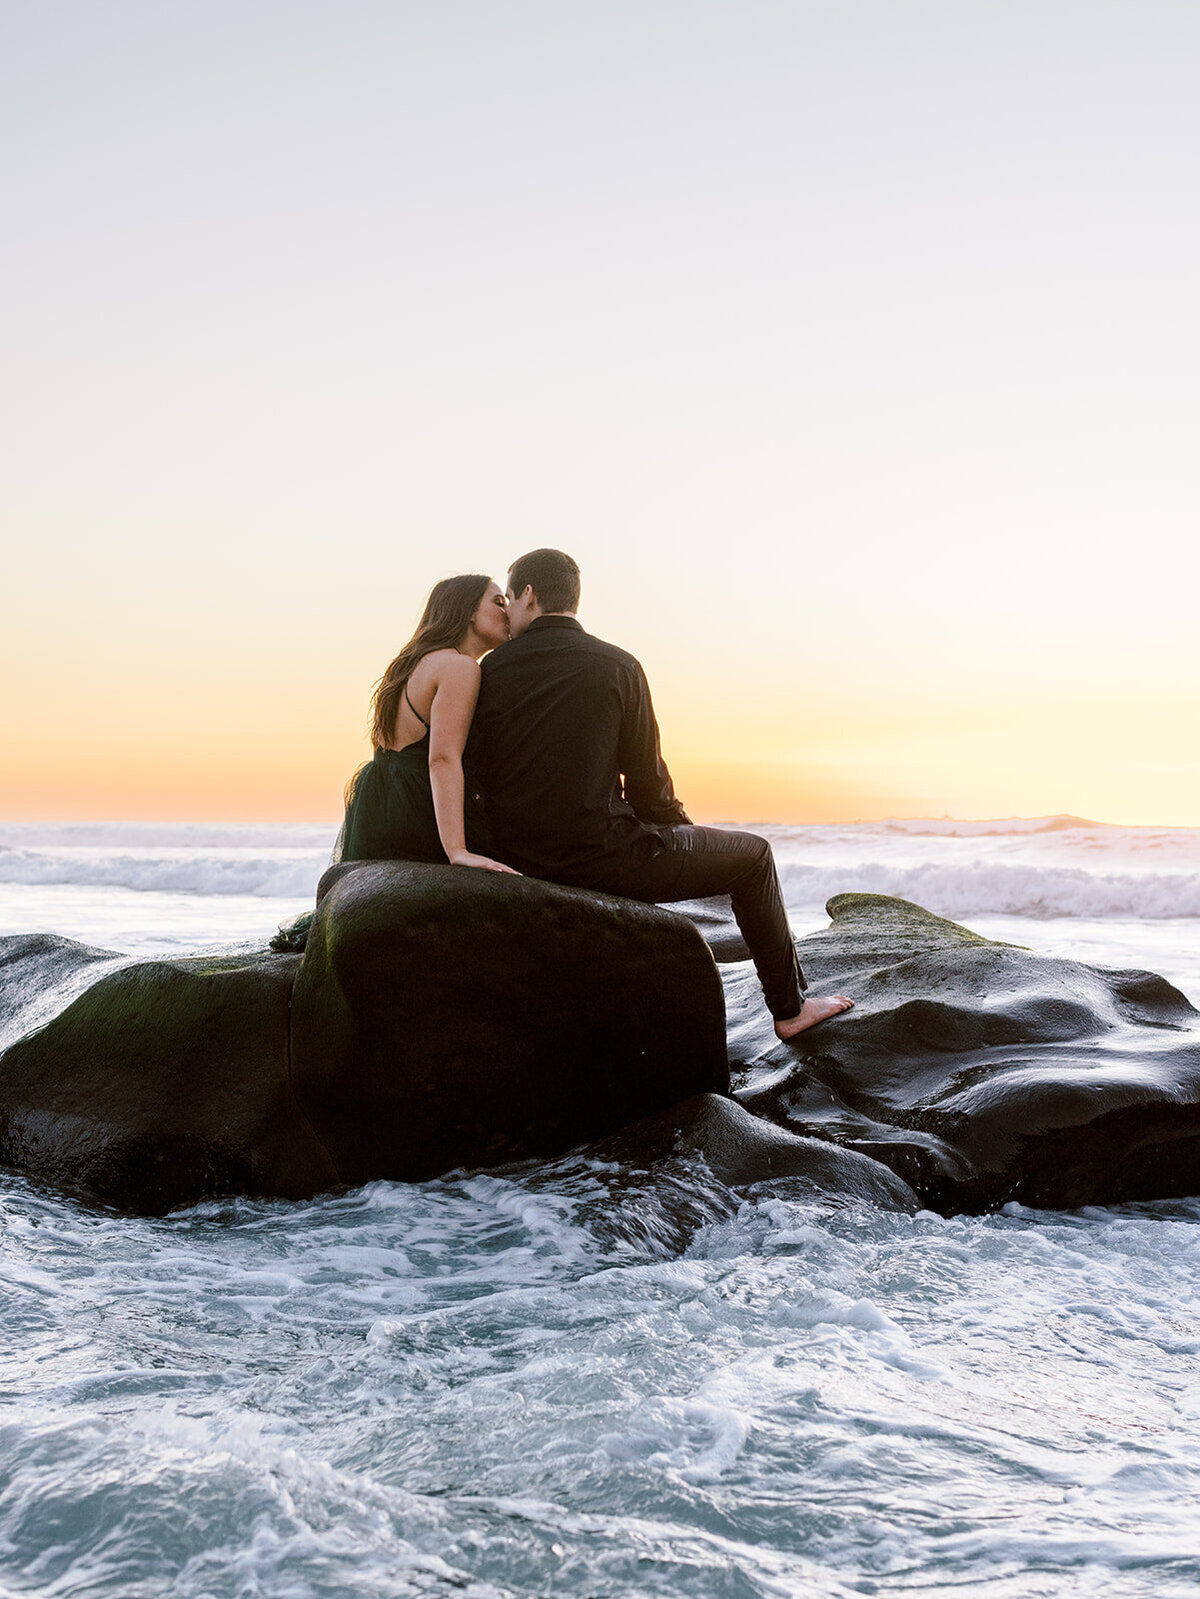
1058,820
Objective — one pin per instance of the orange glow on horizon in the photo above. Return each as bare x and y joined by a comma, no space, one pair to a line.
259,738
290,784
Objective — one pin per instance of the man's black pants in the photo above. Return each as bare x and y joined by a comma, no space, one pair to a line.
700,862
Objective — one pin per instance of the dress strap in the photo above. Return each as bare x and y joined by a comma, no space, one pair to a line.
414,709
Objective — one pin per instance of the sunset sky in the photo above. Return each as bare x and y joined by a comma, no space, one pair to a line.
851,346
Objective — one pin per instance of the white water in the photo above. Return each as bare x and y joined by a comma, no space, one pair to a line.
1048,868
469,1387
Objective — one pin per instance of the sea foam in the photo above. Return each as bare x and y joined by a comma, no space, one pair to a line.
989,888
268,873
1032,867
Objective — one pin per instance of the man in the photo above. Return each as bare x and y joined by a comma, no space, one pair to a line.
565,749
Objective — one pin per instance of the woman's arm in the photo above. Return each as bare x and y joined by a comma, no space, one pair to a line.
455,693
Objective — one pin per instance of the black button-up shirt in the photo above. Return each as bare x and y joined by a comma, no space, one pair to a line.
564,749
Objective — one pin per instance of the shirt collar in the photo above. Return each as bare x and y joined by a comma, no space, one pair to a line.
556,621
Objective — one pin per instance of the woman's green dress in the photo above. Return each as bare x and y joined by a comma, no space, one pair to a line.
389,817
389,809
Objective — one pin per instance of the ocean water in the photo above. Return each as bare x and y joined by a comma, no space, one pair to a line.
516,1385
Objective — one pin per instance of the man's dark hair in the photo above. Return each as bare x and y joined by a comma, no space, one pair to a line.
553,577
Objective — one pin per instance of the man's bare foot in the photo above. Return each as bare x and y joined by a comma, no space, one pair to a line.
812,1012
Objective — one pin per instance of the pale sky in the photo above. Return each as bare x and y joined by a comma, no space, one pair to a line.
851,347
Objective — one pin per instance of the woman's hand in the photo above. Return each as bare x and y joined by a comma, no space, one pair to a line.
463,857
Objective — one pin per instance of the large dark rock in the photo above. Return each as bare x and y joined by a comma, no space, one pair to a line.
163,1083
981,1072
448,1018
443,1018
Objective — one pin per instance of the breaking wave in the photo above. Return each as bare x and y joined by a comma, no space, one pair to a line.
989,888
277,874
1040,867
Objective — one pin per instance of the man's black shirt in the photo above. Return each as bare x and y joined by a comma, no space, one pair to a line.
564,749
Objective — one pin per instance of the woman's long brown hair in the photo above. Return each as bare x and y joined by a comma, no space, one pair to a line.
443,626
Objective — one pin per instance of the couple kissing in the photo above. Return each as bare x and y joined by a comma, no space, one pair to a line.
508,739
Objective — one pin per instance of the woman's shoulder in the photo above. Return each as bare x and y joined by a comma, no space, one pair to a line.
444,671
447,665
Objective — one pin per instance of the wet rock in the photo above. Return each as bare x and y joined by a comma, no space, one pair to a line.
163,1083
440,1018
714,919
40,974
982,1072
742,1150
445,1017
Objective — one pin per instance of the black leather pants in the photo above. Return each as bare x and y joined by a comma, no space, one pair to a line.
701,862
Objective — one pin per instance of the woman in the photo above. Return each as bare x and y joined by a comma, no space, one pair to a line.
408,802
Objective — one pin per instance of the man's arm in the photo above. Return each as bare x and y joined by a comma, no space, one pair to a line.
648,786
